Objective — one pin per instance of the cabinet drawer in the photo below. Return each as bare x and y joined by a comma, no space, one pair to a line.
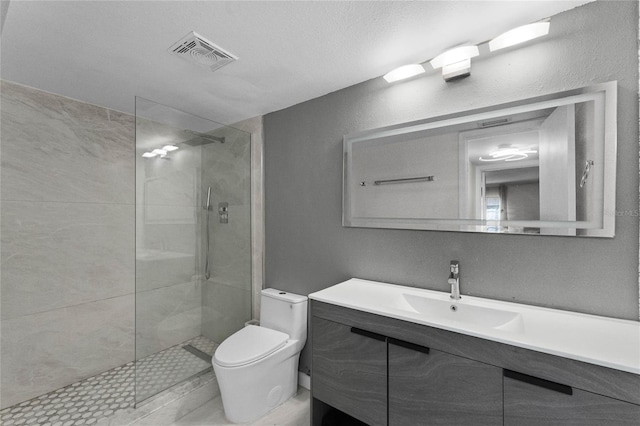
533,402
437,388
350,370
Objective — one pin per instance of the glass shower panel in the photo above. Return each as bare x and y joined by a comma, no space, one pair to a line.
193,242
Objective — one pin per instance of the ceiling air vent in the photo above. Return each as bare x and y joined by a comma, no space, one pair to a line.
196,49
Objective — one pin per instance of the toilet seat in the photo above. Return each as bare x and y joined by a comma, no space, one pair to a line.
249,345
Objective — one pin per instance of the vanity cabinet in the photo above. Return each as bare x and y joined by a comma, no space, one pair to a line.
530,401
440,388
353,363
386,371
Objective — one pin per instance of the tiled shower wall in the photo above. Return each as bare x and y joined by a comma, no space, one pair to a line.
254,126
226,295
67,193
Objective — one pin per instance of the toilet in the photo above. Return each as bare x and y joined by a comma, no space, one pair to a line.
257,367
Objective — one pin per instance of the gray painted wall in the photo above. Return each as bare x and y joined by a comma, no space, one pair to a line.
307,249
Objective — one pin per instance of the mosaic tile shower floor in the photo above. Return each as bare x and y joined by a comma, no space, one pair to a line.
89,400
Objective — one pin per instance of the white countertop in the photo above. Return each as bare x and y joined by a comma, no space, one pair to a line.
604,341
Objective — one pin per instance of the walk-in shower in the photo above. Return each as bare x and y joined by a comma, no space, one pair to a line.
90,325
193,242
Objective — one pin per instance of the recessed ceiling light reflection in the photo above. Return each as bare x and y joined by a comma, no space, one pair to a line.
508,153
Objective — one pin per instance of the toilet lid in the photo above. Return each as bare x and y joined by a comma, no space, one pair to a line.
249,344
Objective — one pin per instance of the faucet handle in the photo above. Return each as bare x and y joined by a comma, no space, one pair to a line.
454,266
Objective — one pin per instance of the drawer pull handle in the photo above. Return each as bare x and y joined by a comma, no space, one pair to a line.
567,390
369,334
412,346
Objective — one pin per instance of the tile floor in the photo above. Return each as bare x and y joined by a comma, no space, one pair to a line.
203,407
82,403
294,412
164,369
197,402
101,396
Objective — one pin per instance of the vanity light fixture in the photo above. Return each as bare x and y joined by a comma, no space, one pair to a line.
170,148
456,62
403,72
149,155
519,35
507,152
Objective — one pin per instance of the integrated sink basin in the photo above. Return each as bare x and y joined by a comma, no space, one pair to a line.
604,341
465,313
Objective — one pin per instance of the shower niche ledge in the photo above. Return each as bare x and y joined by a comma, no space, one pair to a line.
159,268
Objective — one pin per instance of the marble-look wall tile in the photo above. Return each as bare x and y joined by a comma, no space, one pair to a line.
63,254
169,185
161,268
167,316
227,294
49,350
175,237
255,127
59,149
230,248
67,189
227,167
257,213
225,309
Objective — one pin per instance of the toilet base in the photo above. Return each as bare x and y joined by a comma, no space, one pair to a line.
251,391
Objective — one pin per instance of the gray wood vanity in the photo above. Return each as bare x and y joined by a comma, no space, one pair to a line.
387,371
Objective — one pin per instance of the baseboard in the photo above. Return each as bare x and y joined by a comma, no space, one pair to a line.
304,380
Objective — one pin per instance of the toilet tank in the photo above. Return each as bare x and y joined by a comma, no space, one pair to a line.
284,311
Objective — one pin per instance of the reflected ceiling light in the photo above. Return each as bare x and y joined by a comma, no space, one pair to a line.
519,35
456,62
403,72
508,153
161,152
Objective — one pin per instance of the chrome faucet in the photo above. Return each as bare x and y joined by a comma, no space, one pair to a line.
454,279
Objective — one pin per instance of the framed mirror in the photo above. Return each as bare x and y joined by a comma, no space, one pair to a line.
539,166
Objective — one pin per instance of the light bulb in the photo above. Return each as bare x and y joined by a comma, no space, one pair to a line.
519,35
403,72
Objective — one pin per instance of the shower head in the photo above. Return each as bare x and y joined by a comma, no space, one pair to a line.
208,206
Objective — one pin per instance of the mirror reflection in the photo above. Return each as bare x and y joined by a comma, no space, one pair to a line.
539,166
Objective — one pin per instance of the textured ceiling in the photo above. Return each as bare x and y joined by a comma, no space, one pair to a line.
107,52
